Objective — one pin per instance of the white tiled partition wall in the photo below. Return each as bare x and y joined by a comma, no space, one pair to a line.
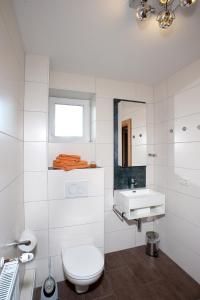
11,130
78,220
36,157
177,166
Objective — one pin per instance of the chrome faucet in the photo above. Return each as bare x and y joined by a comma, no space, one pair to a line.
132,183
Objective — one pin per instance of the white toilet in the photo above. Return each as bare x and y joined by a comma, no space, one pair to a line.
83,265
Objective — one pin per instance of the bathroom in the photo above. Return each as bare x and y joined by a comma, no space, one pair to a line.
51,55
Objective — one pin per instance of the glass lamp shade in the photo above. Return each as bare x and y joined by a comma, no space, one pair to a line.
164,2
143,12
165,19
187,3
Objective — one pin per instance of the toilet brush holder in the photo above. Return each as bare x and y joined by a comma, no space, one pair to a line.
49,289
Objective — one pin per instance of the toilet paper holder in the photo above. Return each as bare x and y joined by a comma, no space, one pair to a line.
19,243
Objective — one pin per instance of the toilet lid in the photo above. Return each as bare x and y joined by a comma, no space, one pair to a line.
83,262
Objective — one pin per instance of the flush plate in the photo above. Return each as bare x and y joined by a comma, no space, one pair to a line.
76,189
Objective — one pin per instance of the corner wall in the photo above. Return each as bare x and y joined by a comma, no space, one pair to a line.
177,166
11,130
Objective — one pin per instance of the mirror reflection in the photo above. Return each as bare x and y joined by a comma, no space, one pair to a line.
132,134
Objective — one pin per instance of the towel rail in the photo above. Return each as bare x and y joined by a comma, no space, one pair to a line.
119,214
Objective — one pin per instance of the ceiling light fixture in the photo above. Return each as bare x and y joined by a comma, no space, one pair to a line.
143,11
165,16
187,3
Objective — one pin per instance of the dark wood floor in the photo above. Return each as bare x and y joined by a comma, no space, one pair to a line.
131,274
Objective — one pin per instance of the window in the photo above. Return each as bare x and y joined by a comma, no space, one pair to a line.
69,120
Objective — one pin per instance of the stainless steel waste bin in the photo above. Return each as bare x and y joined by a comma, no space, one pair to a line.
152,243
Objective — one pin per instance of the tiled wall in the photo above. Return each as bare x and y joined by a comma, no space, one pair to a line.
36,157
177,166
118,235
75,221
11,130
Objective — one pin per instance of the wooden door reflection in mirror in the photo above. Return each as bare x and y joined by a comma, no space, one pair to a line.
126,130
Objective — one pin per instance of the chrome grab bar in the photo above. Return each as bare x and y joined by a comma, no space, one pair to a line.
18,243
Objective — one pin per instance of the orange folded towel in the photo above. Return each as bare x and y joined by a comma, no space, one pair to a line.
69,157
69,162
69,168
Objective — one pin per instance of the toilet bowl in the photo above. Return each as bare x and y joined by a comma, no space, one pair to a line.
83,265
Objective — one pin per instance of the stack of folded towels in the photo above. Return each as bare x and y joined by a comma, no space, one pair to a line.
69,162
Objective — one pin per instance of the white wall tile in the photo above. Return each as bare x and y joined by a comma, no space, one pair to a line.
36,97
108,199
35,156
183,231
77,211
161,151
41,268
119,240
160,175
161,91
192,133
10,108
37,68
113,223
183,206
42,244
104,155
183,107
9,160
184,79
57,268
184,155
57,180
104,132
104,109
11,215
74,236
150,113
160,110
35,186
35,127
36,215
185,181
144,93
108,180
149,175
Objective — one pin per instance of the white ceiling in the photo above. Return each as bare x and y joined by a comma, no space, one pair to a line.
102,38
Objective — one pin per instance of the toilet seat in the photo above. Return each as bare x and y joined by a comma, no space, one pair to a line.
83,262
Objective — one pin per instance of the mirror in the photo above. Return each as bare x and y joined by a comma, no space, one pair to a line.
132,133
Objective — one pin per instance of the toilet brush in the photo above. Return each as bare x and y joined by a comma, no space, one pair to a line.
49,289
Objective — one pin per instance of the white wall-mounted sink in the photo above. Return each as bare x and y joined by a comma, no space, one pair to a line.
139,203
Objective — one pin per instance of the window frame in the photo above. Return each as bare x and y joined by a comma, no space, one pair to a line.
86,120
